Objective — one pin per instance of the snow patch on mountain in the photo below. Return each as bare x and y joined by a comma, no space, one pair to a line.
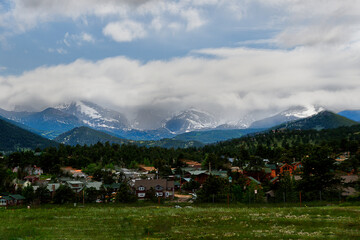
96,116
190,120
303,111
86,110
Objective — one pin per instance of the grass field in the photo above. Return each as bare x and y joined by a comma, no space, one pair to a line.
166,222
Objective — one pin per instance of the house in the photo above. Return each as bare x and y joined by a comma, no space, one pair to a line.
114,187
191,163
17,199
199,176
348,180
236,169
219,173
37,170
52,187
285,168
96,185
162,187
271,169
343,157
75,173
146,169
11,200
76,186
253,180
32,179
5,201
33,170
297,167
129,174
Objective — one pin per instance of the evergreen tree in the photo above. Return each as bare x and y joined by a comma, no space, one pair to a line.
125,195
64,194
318,176
28,193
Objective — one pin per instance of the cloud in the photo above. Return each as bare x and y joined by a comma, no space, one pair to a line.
126,31
193,19
230,82
57,50
316,23
78,39
187,15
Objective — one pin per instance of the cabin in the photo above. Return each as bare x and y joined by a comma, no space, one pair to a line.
270,170
285,168
297,167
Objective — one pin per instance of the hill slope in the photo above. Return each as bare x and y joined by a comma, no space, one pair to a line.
13,138
48,123
88,136
292,114
213,136
322,120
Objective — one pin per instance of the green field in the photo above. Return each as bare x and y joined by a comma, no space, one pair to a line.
166,222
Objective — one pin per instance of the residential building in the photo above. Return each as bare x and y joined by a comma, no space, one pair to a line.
162,187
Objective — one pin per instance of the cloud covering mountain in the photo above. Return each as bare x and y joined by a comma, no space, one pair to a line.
230,58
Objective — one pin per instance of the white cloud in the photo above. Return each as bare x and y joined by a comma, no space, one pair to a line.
78,39
193,19
125,31
233,82
189,14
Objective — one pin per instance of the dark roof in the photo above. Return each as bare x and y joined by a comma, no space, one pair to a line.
17,197
254,180
274,179
113,185
271,166
6,198
152,183
219,173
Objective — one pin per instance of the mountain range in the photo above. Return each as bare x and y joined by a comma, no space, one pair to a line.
83,122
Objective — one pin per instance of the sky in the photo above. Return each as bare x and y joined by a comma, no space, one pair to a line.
232,58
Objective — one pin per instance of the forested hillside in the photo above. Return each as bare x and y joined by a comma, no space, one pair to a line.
14,138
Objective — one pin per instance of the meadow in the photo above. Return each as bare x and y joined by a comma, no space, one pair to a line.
188,222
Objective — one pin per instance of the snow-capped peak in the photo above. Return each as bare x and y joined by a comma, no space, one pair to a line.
94,115
302,111
189,120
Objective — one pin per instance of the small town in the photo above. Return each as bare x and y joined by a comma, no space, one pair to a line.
117,184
